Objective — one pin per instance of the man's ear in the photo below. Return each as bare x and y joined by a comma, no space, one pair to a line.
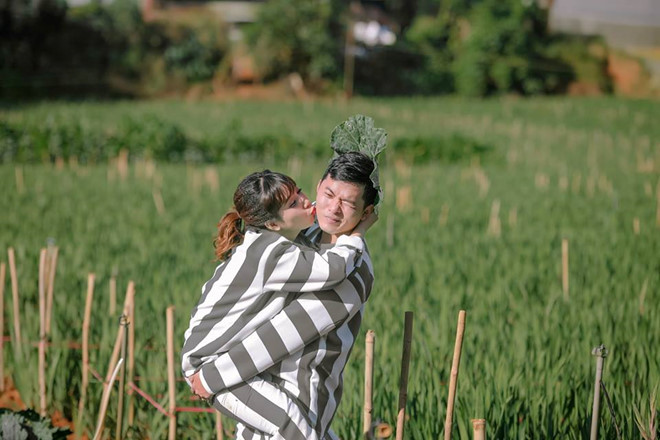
367,212
318,186
272,225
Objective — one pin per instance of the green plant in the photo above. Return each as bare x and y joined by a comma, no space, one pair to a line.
647,421
28,425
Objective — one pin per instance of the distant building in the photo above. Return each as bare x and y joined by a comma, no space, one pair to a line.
629,25
623,23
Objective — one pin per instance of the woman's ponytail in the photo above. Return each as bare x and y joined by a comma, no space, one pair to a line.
230,235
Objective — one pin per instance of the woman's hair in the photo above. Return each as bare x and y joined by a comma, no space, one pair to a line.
356,168
257,200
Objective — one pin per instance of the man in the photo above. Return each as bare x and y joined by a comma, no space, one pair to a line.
284,381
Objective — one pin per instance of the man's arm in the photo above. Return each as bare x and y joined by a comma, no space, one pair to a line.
300,323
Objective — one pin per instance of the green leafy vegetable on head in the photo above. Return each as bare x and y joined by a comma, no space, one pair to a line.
358,133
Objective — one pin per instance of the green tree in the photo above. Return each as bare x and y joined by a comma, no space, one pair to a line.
297,36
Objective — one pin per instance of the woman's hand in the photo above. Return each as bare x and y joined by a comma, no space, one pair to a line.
365,224
197,387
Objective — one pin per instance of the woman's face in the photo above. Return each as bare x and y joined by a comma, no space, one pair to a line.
296,215
339,206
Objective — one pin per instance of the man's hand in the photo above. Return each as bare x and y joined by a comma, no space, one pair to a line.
365,224
197,387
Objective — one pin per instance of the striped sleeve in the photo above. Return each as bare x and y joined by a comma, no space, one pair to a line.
293,268
301,322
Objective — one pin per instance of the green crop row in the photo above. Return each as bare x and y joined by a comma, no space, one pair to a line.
482,236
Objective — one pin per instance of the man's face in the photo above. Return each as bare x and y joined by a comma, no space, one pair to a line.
339,206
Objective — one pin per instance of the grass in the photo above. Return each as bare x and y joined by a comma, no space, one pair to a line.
575,169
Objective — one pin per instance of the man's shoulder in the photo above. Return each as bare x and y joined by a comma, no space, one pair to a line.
310,237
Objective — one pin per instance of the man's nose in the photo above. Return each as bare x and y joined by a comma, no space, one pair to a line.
306,203
335,206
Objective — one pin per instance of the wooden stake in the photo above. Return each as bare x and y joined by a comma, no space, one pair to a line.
119,431
18,342
494,224
444,215
460,329
106,398
479,429
2,327
52,267
112,308
158,201
368,381
600,352
20,185
390,230
564,267
130,292
131,359
42,333
85,352
170,372
403,383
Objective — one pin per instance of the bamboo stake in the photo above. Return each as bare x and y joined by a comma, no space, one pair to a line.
460,329
368,382
130,292
131,359
170,372
52,267
113,296
20,185
218,426
600,352
2,327
85,352
18,342
444,215
104,400
494,224
479,429
390,230
158,201
564,267
403,383
119,432
42,333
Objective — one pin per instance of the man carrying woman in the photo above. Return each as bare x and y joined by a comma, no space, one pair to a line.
283,379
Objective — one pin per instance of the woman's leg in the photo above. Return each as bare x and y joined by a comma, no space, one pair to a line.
265,408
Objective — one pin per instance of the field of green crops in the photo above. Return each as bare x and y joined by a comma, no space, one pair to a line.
479,229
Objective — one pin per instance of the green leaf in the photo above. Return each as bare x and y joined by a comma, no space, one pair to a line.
358,133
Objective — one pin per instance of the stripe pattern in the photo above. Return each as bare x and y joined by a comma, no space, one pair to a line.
253,285
303,352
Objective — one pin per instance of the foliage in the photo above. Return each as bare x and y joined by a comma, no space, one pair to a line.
297,36
558,168
28,425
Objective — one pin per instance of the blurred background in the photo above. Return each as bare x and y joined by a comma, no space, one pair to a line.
279,48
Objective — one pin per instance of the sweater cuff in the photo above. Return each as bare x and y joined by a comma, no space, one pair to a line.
211,379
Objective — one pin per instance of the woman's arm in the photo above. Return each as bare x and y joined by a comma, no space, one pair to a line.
301,322
294,268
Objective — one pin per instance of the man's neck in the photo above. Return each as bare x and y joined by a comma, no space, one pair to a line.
329,238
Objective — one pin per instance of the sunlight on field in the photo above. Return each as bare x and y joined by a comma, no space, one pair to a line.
478,228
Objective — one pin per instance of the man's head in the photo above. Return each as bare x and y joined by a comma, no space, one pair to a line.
345,195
